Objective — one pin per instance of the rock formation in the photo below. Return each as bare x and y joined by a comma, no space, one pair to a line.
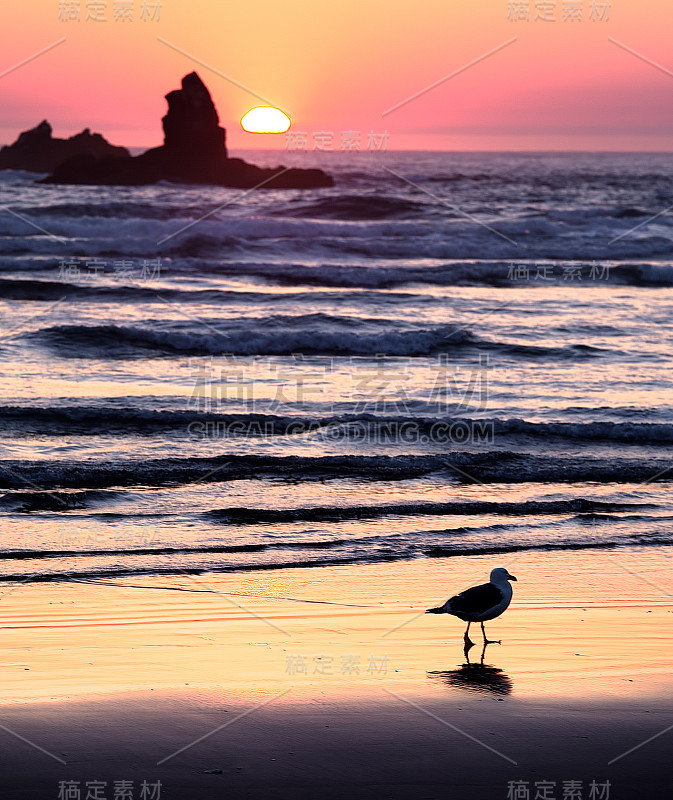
36,150
193,138
194,151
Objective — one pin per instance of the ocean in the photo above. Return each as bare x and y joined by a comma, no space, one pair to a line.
445,354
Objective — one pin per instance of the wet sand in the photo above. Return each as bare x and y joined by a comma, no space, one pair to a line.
330,682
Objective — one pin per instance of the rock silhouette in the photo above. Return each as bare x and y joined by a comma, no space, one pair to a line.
194,151
37,150
193,137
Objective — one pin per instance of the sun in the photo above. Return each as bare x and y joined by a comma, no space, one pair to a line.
265,119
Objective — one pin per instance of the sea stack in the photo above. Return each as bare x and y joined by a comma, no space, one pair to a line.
194,142
194,151
36,150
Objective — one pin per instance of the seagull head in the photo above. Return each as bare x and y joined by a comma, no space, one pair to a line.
500,575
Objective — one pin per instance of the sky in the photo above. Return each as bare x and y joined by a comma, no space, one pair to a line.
338,67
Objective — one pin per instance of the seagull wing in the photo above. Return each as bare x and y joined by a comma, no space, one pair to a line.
476,600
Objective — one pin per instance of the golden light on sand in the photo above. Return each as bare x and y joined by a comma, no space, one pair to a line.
265,119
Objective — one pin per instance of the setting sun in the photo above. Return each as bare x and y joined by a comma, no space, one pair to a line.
265,119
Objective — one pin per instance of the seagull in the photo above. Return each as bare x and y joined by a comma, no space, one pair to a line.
480,603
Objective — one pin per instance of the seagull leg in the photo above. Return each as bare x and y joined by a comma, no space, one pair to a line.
488,641
468,642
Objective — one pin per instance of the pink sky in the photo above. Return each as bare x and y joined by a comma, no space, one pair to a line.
338,66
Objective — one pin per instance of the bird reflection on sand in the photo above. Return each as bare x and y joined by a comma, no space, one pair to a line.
476,677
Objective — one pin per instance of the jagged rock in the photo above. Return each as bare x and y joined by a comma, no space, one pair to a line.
194,151
192,133
36,150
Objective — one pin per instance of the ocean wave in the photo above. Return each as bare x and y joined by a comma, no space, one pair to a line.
443,429
107,210
362,273
111,420
248,516
54,501
434,271
349,206
306,560
460,467
595,516
315,334
626,432
244,338
12,555
448,239
106,289
581,235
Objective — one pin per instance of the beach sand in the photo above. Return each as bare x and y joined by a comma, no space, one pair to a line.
330,683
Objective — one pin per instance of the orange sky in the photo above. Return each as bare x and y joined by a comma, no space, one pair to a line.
337,66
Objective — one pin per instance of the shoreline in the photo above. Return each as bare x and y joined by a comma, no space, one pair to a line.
333,682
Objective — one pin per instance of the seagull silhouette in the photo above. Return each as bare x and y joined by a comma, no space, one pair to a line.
480,603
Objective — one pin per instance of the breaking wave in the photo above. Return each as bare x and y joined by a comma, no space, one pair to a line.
490,467
311,335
